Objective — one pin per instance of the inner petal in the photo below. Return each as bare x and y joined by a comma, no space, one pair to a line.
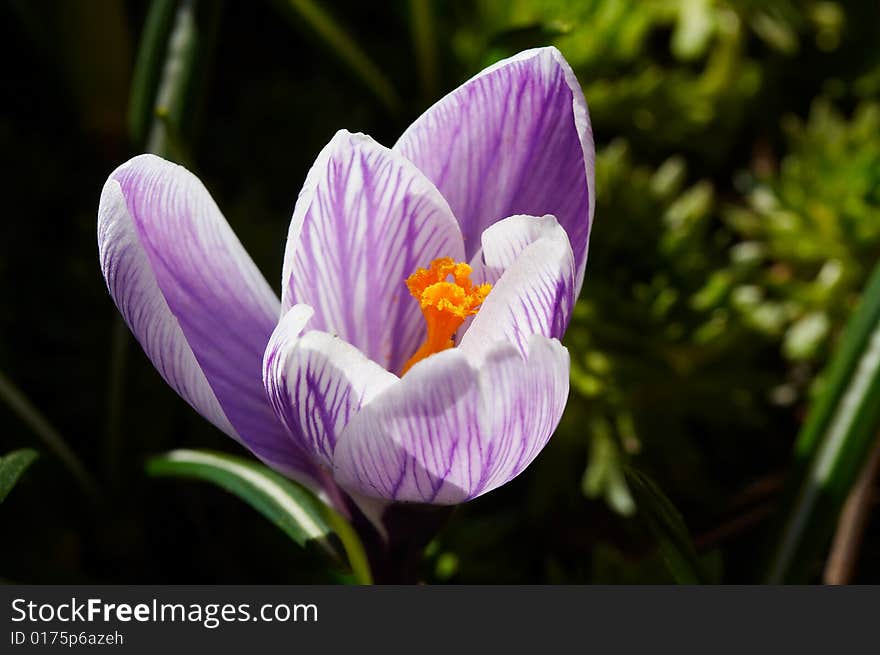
365,219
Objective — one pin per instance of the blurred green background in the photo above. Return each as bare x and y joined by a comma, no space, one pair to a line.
737,220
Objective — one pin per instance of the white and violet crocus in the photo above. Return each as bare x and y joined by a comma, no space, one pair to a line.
414,354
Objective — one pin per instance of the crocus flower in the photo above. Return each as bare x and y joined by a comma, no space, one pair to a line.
414,354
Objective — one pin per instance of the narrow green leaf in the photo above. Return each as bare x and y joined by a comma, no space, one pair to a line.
421,15
148,67
12,465
172,92
840,429
347,49
291,507
666,524
39,425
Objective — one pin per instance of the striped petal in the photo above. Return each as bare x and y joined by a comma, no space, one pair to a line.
503,242
317,381
534,293
515,139
450,431
194,300
364,221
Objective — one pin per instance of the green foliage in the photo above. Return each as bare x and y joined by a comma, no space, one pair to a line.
668,529
834,444
666,73
813,226
719,277
652,344
12,466
290,506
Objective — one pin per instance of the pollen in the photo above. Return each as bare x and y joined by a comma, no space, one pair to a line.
446,297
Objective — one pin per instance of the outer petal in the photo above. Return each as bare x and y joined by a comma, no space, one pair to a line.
364,221
448,431
535,292
515,139
317,382
194,299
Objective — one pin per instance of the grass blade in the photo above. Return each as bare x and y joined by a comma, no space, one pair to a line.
422,27
294,509
347,49
667,526
833,446
148,67
853,523
12,465
172,92
53,440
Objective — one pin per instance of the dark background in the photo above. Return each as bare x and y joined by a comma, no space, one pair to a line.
738,216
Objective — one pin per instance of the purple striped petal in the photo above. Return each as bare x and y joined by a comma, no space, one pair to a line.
194,299
515,139
317,381
364,221
535,292
503,242
450,431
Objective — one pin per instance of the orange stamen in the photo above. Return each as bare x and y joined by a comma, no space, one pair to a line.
446,297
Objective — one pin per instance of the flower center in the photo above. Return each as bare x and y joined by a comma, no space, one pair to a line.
446,297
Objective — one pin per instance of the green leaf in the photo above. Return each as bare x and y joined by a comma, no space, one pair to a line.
290,506
604,475
168,73
346,48
667,526
175,84
11,468
54,442
148,67
840,429
423,31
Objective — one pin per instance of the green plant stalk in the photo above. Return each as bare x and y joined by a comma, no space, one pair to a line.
53,440
347,49
667,526
354,548
147,68
422,28
832,448
176,78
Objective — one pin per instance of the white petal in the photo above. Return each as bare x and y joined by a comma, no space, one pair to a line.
365,220
449,431
317,381
535,293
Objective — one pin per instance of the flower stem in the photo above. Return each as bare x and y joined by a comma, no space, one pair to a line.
410,528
